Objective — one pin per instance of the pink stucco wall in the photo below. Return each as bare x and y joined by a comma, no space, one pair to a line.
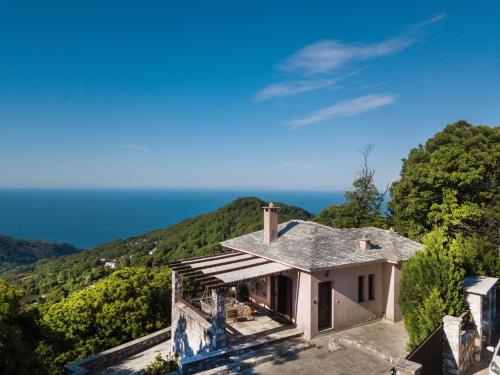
262,298
392,276
346,311
301,298
304,304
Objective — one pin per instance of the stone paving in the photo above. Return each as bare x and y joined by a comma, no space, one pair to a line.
382,336
262,327
319,361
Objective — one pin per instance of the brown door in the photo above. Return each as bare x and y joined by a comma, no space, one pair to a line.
285,296
324,305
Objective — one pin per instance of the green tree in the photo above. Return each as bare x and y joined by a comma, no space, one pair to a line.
363,206
431,285
18,334
453,182
429,316
128,304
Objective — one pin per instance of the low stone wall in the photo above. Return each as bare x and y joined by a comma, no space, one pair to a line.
191,332
467,350
104,359
406,367
459,345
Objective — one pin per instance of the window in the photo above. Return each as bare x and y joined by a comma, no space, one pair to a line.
361,291
371,286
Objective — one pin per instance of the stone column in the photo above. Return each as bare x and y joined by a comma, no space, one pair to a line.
219,318
493,312
177,286
475,302
452,327
177,290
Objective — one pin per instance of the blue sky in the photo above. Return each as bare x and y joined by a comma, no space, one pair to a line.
231,94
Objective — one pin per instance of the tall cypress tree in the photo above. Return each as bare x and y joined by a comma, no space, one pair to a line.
431,286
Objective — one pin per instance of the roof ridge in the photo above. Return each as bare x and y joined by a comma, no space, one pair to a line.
315,223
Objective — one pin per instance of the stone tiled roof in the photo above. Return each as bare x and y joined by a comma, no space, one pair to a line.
311,246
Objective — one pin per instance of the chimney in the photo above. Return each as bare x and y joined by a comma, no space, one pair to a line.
365,244
270,223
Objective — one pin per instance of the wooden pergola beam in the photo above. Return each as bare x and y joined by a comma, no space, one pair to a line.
195,271
210,280
201,258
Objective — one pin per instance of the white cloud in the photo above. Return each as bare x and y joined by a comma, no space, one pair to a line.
329,55
292,88
300,86
348,108
134,147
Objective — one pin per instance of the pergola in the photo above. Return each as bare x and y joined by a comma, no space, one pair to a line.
226,269
216,273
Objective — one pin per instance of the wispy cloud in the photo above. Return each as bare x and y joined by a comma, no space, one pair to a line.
284,89
134,147
348,108
323,64
330,55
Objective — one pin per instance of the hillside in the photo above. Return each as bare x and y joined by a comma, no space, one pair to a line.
195,236
15,252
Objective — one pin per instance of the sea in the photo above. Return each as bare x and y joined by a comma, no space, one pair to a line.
86,218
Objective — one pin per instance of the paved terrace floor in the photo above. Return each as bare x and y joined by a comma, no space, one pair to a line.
262,327
319,361
382,336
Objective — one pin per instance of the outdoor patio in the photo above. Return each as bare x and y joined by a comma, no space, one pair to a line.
262,328
247,322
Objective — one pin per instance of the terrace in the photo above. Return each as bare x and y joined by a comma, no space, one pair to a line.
226,318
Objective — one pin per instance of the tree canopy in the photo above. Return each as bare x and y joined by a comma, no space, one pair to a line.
452,182
18,333
128,304
363,205
447,195
431,286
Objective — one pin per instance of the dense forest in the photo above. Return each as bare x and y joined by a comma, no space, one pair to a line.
14,252
54,311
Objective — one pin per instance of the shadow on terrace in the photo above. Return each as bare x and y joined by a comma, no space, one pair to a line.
246,321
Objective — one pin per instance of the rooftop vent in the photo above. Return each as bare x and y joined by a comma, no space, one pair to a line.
270,223
365,244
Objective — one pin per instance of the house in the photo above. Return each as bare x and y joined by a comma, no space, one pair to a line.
316,277
110,263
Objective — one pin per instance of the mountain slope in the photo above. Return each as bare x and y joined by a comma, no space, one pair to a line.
14,252
195,236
